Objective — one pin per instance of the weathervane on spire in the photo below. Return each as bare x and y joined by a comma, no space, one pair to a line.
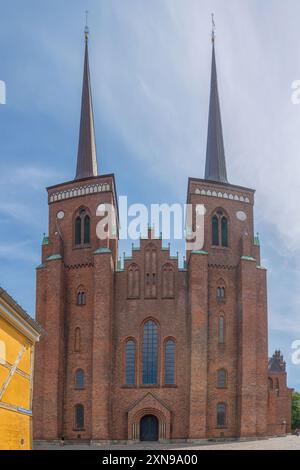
213,28
86,29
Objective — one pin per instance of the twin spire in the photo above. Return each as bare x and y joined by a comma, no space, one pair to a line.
215,168
86,157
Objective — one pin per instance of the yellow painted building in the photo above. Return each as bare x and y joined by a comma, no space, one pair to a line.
18,335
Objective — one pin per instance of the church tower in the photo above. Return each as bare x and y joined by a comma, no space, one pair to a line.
227,300
149,349
75,298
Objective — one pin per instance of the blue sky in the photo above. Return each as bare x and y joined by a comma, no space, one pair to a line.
150,66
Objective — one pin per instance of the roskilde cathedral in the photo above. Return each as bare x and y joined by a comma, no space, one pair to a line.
151,351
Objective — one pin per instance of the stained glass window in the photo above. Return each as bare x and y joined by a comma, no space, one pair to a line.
150,353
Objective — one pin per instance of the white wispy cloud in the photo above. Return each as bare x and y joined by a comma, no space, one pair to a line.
150,66
30,177
21,251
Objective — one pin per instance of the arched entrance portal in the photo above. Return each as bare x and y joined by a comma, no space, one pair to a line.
149,428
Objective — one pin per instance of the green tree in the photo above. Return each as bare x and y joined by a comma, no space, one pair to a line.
296,410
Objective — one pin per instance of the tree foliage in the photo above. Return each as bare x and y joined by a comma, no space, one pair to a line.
296,410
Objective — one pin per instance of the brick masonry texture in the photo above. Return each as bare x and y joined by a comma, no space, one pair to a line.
189,314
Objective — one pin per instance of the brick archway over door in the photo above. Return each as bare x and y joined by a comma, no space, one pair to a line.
149,405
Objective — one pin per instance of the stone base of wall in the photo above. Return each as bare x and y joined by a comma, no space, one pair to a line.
111,443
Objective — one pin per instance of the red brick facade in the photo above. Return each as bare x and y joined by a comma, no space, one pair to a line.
92,337
182,352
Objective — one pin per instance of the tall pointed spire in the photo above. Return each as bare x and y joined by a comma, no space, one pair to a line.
215,168
86,157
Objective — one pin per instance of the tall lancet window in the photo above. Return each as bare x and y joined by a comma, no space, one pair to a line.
170,362
82,229
224,224
219,229
133,282
150,272
130,362
150,353
79,416
215,230
221,415
221,330
78,231
87,229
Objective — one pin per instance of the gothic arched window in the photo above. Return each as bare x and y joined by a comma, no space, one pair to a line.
220,293
130,362
79,417
87,229
215,230
221,330
221,415
79,379
222,378
78,231
219,229
170,362
81,298
224,226
82,229
150,353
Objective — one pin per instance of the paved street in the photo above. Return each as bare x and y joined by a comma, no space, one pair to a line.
278,443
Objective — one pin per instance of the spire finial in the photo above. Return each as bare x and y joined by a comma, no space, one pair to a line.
213,28
86,29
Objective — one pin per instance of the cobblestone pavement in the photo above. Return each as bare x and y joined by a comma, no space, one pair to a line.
277,443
